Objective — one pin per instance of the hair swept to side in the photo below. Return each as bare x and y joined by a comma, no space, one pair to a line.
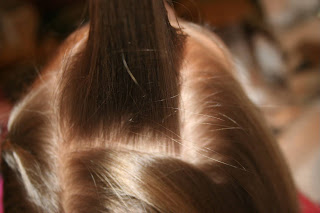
137,114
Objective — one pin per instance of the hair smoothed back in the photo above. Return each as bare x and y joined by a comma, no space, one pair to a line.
136,114
128,70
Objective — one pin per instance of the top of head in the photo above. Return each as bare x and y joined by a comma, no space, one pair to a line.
135,114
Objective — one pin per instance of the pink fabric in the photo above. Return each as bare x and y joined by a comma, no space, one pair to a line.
1,195
307,206
5,108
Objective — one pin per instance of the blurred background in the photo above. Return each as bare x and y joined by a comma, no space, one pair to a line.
275,46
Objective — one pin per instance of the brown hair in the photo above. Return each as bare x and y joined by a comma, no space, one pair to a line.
141,116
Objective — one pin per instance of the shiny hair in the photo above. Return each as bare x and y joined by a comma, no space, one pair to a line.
140,115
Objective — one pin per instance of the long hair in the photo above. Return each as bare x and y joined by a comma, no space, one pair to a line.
138,114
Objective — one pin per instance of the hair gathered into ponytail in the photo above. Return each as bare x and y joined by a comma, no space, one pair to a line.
128,70
141,113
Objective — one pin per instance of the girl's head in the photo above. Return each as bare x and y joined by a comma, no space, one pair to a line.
137,114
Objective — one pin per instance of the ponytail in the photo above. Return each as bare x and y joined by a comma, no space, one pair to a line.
128,70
